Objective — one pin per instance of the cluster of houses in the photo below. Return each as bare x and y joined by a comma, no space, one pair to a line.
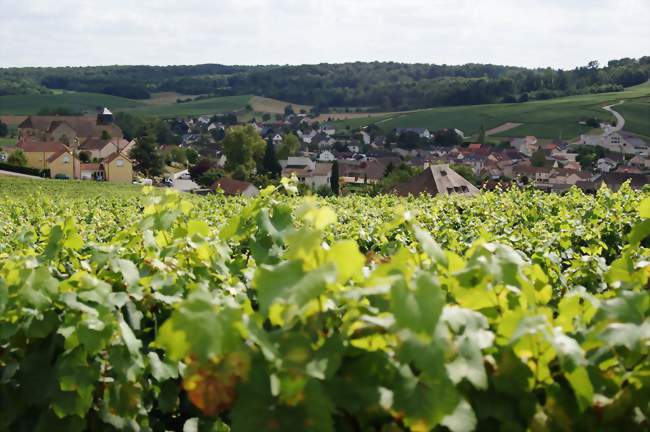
364,159
54,144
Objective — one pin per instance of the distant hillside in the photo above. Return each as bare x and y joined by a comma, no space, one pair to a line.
557,118
374,86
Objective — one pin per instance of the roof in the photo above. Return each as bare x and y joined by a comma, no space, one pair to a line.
94,143
231,186
436,180
63,150
84,126
113,156
90,167
29,146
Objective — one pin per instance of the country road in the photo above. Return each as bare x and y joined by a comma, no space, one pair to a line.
620,121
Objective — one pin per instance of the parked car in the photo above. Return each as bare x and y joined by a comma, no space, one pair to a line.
185,176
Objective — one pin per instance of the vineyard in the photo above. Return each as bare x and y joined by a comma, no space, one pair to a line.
124,308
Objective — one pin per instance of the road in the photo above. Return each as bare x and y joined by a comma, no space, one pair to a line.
620,121
184,185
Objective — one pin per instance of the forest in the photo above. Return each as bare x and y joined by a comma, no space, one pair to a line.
374,86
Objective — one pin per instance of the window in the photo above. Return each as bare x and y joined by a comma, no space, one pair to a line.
120,162
66,159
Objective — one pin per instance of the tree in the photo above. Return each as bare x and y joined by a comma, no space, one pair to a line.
538,159
201,167
447,138
178,155
334,178
243,148
146,155
84,156
481,134
290,145
270,164
17,158
266,117
191,155
105,135
4,129
288,110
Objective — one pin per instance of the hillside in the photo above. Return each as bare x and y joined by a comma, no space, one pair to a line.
75,101
377,86
545,119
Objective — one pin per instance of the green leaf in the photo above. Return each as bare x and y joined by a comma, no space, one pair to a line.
644,208
582,387
462,419
417,308
430,247
347,258
199,227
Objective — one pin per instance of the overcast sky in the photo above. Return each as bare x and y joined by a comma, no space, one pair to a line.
558,33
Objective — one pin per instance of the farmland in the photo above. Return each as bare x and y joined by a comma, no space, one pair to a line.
128,308
545,119
31,104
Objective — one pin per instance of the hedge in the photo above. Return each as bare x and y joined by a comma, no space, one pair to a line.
25,170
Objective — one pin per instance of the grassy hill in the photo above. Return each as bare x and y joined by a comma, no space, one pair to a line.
31,104
545,119
215,105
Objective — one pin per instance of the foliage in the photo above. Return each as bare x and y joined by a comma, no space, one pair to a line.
243,148
191,155
400,174
17,158
539,158
25,170
334,178
512,311
270,164
146,154
4,129
386,86
290,145
84,156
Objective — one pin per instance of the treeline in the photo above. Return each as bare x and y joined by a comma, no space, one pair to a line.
371,86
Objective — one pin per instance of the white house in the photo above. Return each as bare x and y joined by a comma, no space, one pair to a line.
326,156
328,130
527,145
605,165
314,175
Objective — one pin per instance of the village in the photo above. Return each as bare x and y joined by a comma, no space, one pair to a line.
326,158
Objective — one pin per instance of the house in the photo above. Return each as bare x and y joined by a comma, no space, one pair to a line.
118,168
615,180
527,145
365,137
605,165
364,172
37,152
328,130
314,175
100,148
536,174
622,142
436,180
63,162
562,176
421,132
277,141
68,129
232,187
91,171
326,156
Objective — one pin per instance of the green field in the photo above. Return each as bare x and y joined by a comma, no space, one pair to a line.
545,119
637,115
31,104
216,105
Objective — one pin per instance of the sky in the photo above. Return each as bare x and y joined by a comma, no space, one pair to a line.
531,33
